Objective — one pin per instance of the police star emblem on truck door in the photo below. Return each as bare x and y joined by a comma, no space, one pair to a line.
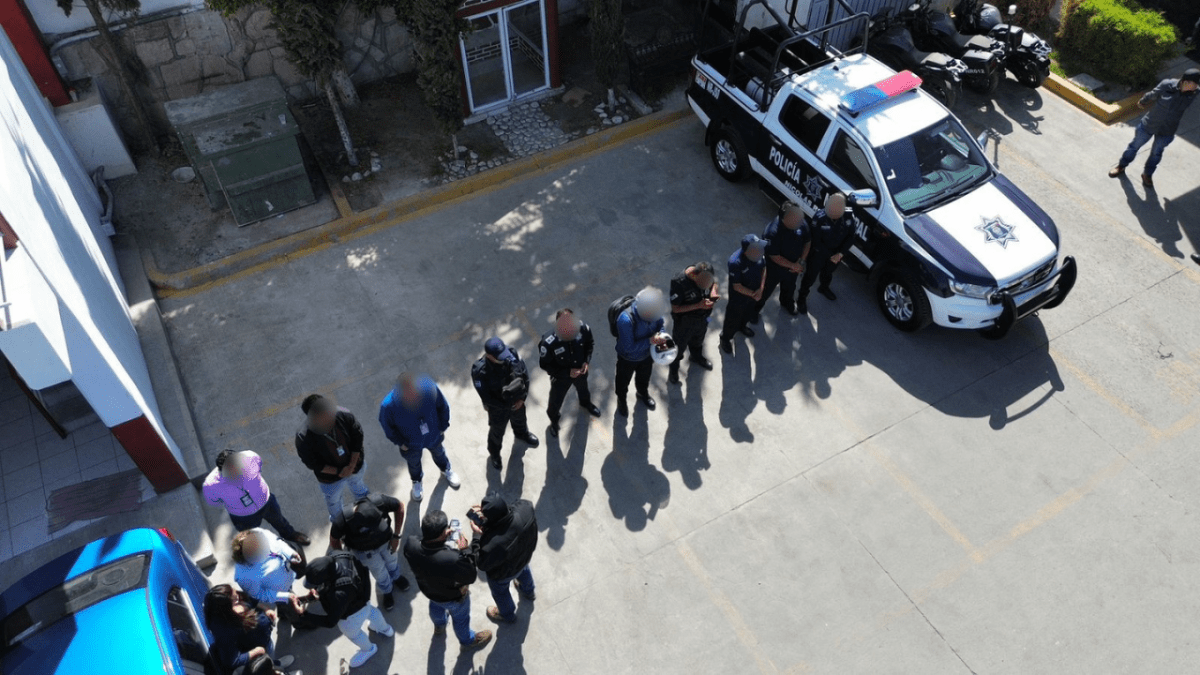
812,189
997,230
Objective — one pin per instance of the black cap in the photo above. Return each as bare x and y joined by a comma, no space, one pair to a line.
1191,75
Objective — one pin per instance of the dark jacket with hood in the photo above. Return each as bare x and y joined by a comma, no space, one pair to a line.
343,586
509,537
368,524
232,643
335,448
441,573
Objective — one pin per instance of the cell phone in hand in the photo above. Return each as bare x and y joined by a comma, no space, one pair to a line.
475,517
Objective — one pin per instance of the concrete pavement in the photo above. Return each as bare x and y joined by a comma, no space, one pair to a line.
837,497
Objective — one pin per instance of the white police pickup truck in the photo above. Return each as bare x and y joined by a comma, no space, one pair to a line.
943,235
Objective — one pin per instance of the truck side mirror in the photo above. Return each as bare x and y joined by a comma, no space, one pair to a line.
1012,10
982,139
863,197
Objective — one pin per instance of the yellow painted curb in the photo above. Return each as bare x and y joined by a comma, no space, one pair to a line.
350,226
1107,113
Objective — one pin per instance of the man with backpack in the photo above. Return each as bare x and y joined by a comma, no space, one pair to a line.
636,322
343,587
502,382
366,531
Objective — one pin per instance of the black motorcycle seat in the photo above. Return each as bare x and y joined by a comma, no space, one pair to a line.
936,59
973,42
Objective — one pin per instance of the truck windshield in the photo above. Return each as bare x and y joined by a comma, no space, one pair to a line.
931,166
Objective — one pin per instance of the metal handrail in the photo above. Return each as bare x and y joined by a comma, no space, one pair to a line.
5,303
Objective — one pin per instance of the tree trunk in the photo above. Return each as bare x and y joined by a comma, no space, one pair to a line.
612,99
112,53
345,88
341,123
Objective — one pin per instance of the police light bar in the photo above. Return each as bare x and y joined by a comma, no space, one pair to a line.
861,99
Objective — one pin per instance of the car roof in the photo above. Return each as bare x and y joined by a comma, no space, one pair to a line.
115,636
72,564
882,123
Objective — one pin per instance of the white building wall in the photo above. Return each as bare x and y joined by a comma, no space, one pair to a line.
49,201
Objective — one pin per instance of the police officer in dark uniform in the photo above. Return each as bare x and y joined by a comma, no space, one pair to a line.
788,245
832,234
502,381
565,354
747,276
366,531
693,294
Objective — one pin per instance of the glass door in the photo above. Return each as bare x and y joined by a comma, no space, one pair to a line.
505,55
526,43
485,61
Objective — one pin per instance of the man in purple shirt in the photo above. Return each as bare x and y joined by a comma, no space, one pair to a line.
238,485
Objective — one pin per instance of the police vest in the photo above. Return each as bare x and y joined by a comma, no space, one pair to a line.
367,529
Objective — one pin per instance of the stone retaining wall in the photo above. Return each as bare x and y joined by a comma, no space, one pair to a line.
181,55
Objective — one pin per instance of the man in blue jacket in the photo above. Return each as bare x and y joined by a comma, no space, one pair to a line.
637,330
414,415
747,278
1171,98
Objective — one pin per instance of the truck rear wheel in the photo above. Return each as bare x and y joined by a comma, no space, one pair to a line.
903,302
729,155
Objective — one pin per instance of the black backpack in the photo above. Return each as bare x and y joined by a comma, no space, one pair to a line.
616,309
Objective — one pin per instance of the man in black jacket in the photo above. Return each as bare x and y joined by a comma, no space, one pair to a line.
787,253
330,443
1171,99
832,234
502,381
445,571
693,294
507,537
343,587
366,531
565,354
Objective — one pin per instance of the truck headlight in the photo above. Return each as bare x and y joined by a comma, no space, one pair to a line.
972,290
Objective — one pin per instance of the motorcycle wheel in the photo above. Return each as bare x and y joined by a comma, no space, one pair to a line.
939,89
1029,75
990,85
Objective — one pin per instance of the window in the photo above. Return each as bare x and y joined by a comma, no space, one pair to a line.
851,163
75,595
931,166
189,637
804,122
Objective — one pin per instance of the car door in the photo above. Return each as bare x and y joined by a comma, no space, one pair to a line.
851,167
796,133
191,641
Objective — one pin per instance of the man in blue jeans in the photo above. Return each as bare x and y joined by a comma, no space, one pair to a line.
445,571
507,538
330,443
414,415
1171,100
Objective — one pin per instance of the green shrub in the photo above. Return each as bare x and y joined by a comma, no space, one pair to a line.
1117,40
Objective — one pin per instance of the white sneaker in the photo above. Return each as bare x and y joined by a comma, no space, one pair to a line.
417,491
452,478
387,631
362,656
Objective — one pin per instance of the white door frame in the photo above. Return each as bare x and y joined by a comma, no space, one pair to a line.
501,14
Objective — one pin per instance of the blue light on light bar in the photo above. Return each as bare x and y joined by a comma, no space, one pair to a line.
861,99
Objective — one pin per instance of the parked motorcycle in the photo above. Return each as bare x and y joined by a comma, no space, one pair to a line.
1028,56
935,31
892,44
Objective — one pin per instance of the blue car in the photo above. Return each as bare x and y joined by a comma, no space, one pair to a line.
130,603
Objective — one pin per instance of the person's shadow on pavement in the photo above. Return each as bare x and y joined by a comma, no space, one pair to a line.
775,365
821,360
1153,218
565,485
685,445
737,392
506,656
636,489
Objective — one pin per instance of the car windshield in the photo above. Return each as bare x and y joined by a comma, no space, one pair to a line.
74,596
931,166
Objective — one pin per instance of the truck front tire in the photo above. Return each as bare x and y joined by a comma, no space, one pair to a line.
729,155
903,301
